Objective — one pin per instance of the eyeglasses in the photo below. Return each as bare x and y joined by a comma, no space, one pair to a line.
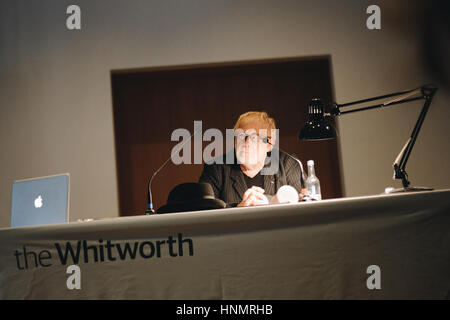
241,137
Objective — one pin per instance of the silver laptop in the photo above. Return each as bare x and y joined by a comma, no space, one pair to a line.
40,201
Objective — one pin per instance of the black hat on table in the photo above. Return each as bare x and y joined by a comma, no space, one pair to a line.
191,196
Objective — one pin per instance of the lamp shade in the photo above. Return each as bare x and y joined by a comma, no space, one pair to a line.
316,127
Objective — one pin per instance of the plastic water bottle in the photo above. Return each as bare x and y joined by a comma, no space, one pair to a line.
313,183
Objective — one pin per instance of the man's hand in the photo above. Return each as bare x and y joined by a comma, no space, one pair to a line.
253,197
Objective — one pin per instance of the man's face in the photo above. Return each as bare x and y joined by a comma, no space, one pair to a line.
251,143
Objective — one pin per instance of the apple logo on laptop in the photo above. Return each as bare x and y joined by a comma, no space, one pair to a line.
38,202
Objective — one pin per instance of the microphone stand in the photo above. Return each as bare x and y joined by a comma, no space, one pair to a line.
426,93
150,210
299,163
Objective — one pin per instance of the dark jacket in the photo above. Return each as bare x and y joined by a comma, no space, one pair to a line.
227,180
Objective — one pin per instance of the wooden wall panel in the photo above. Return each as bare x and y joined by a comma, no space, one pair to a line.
149,104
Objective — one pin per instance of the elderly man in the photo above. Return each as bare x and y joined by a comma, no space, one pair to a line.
244,182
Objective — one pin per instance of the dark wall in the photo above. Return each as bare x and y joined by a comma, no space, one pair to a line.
149,104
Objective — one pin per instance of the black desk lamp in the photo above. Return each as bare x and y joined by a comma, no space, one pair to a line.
317,128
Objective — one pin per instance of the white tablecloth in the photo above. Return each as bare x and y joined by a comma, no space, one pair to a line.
376,247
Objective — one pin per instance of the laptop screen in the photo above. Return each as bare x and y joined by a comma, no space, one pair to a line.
40,201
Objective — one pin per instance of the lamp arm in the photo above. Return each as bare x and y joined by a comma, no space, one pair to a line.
337,112
401,173
401,97
403,93
426,92
400,165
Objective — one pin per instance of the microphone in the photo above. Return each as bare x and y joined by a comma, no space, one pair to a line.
303,176
150,210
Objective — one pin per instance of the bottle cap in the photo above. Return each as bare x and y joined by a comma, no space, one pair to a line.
310,162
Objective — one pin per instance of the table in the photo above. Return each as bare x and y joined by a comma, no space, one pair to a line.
374,247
